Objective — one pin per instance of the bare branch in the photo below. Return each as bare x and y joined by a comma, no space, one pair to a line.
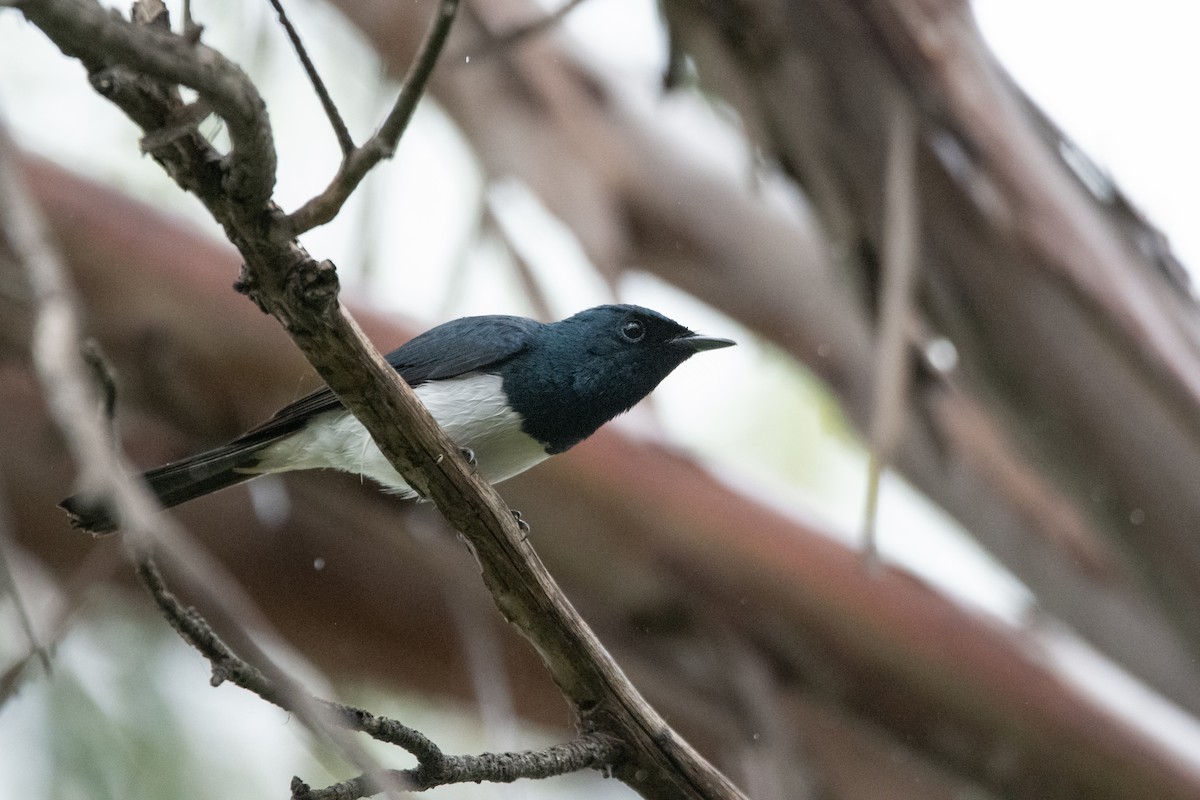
282,279
434,767
590,751
325,206
103,42
335,119
228,666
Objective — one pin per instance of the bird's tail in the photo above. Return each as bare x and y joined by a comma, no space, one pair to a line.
174,483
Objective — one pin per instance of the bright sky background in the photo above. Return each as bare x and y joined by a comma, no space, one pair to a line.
1121,79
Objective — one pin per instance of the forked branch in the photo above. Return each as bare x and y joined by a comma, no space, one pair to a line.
383,143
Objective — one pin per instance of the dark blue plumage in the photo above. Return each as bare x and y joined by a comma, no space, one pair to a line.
512,390
577,374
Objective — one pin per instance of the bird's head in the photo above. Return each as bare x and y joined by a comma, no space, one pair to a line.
589,368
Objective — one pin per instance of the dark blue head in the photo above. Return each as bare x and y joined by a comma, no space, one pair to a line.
579,373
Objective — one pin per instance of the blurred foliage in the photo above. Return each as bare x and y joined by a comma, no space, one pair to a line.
113,719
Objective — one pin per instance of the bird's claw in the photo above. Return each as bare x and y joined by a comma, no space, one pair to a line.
469,455
521,523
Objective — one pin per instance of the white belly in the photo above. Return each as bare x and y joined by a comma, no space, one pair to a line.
471,409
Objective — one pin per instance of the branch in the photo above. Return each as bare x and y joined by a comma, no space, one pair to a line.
302,294
434,767
943,667
590,751
110,47
75,406
314,77
228,666
901,246
357,163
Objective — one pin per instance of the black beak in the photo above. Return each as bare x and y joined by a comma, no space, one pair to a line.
697,343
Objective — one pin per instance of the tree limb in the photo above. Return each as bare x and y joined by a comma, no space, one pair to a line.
303,294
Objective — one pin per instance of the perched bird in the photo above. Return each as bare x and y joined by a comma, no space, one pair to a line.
510,391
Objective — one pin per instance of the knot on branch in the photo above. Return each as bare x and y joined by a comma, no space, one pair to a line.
247,284
300,789
313,286
147,101
151,14
106,81
218,676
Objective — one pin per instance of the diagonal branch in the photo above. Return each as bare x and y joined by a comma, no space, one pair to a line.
434,768
228,666
283,280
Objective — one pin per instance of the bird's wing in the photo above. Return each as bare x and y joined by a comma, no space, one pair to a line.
469,344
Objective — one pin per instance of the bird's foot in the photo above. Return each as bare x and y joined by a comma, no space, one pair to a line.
521,523
469,455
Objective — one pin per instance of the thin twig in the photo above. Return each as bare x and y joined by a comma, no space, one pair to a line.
901,234
434,767
228,666
106,379
589,751
335,119
325,206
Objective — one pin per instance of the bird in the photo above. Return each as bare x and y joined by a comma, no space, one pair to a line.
509,391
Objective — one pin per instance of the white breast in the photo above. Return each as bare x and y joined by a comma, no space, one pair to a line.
471,409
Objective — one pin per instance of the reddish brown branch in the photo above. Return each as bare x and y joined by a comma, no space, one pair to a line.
856,660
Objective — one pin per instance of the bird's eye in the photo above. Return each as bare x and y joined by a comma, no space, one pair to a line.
633,330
